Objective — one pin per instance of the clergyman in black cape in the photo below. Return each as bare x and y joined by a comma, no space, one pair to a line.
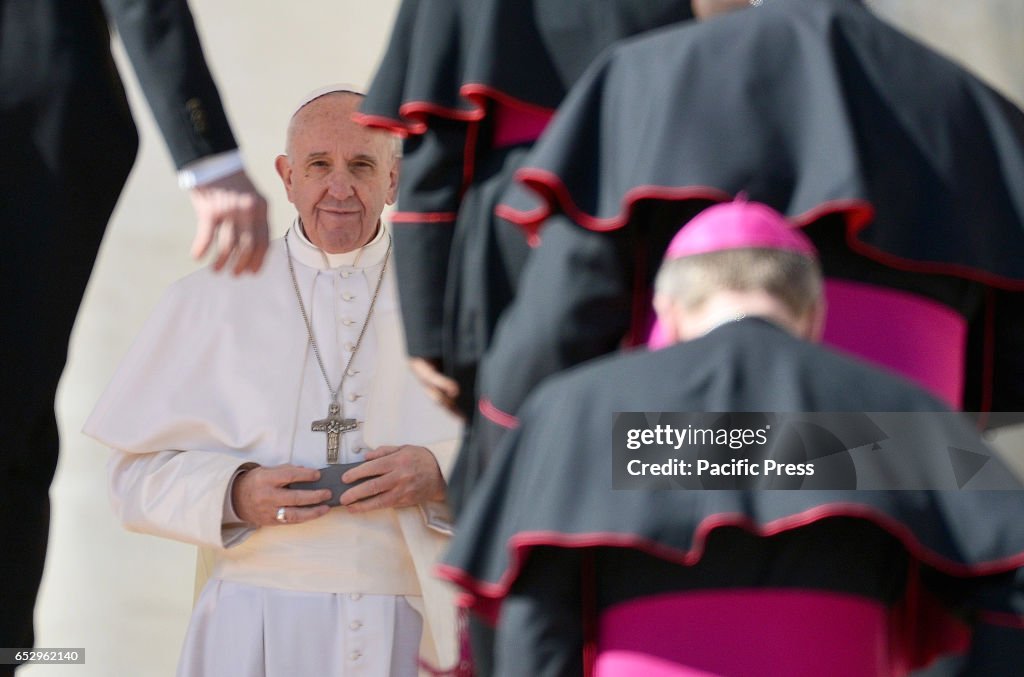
906,171
471,84
582,578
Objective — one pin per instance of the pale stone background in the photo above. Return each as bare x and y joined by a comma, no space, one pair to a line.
126,597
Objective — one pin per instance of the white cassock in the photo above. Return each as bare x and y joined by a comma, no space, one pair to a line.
223,374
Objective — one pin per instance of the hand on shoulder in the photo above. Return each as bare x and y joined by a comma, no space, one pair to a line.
232,211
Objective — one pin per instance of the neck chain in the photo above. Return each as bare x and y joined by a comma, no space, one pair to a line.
334,424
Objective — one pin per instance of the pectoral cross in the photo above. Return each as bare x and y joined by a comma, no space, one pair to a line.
334,425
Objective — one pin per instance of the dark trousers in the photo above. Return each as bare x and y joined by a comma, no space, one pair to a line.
54,209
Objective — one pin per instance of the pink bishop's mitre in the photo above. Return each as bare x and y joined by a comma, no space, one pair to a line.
738,225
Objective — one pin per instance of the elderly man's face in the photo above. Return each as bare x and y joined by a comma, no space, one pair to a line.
338,173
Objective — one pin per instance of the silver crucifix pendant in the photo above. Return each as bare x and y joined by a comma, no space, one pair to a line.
334,425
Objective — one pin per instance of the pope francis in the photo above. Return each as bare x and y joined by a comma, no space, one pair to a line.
238,388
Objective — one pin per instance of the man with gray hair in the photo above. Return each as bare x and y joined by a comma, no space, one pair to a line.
668,578
236,416
704,282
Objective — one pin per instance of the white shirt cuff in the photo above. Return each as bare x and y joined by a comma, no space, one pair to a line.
209,169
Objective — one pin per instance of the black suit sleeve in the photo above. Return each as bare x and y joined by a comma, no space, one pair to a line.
161,40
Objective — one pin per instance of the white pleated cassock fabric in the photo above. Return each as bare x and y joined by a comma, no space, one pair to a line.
222,375
237,629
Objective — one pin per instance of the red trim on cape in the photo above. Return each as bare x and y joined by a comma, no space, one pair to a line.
477,91
486,597
553,191
911,266
423,217
495,415
858,213
381,122
415,112
413,117
530,224
418,111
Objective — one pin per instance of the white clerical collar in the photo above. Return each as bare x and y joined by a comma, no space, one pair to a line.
367,256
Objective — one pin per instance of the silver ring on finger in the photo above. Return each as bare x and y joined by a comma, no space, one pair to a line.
282,515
